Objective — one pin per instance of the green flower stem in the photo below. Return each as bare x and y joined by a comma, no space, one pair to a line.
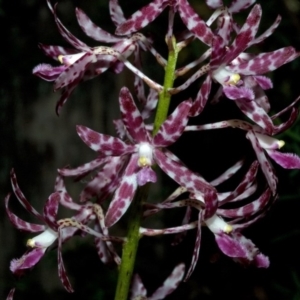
164,96
135,216
131,245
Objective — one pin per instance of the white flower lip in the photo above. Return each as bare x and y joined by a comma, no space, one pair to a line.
218,225
43,240
68,60
225,77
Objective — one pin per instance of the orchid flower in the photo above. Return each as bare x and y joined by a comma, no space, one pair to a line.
41,242
227,235
57,230
262,143
84,62
240,73
143,151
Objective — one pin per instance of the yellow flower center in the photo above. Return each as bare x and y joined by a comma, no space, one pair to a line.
228,228
234,79
60,58
281,143
144,161
30,243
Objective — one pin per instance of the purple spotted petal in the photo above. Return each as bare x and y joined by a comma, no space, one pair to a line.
84,169
170,284
245,183
142,17
101,246
264,163
150,105
64,96
286,125
106,246
234,92
287,108
196,248
92,30
218,52
193,22
27,261
61,268
65,199
255,113
225,29
19,223
261,261
116,12
75,72
50,210
267,33
48,72
201,98
248,209
131,117
55,51
105,144
138,82
20,196
124,194
230,246
182,175
285,160
67,35
264,82
227,174
245,35
266,62
253,256
173,126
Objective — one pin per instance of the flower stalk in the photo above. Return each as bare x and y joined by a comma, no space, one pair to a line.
131,245
164,96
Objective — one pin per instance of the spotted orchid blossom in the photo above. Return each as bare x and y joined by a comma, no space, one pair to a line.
239,73
139,292
41,242
227,233
83,62
262,140
263,143
57,230
50,232
144,151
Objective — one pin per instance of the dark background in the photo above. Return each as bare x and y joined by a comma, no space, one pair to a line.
36,142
